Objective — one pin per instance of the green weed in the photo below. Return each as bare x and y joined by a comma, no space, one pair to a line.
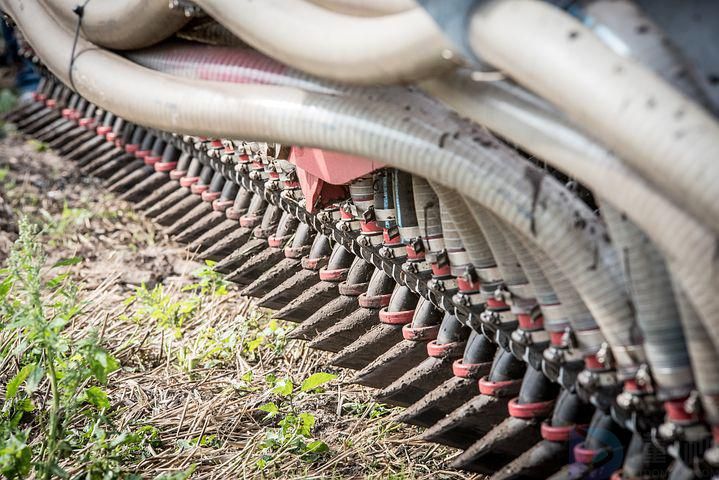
162,307
293,432
70,218
34,316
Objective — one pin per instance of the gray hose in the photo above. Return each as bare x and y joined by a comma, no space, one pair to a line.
121,25
704,356
459,157
507,262
429,218
470,233
661,335
577,314
543,290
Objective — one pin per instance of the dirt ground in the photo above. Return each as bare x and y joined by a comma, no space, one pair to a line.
197,378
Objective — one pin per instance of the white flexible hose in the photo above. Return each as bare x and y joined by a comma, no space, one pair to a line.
402,47
121,25
367,8
655,129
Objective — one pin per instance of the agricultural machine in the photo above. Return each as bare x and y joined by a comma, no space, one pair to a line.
501,214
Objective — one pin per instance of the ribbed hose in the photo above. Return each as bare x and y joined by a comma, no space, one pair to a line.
687,244
458,258
495,176
543,291
121,25
507,262
577,313
472,237
404,203
390,49
429,219
654,128
657,313
227,64
704,356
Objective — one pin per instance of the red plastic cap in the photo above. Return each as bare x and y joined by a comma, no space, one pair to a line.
208,196
333,275
420,334
437,350
396,318
132,147
187,182
496,389
198,189
152,159
530,410
222,205
561,433
103,130
469,370
165,166
374,301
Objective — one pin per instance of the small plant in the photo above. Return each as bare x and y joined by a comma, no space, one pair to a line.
210,281
211,347
161,307
38,146
34,315
368,410
271,335
293,434
70,218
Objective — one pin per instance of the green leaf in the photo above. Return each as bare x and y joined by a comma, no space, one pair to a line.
318,446
5,287
56,281
34,380
14,384
97,397
316,380
66,262
307,421
271,409
283,388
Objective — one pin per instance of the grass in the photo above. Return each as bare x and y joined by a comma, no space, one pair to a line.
201,384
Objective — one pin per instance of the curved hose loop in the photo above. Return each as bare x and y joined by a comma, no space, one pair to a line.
461,157
664,135
121,25
366,8
396,48
657,312
687,245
